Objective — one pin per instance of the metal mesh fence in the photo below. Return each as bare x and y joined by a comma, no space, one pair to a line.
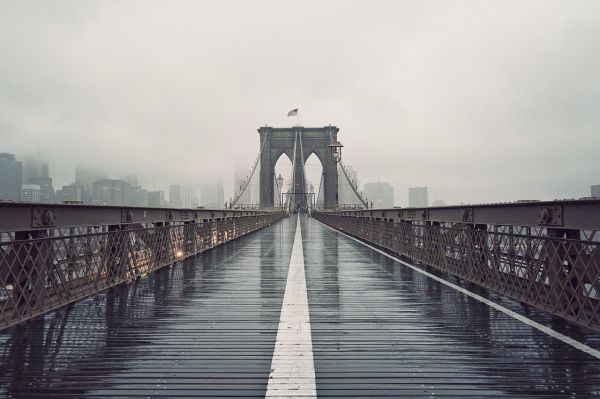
554,269
41,270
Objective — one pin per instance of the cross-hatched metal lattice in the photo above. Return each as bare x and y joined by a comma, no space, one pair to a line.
554,269
41,270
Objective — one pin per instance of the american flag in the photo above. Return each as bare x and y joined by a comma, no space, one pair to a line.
293,112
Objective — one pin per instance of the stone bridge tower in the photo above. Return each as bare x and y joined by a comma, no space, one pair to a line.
278,141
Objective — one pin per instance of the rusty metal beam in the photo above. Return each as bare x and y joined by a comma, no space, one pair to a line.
26,216
579,214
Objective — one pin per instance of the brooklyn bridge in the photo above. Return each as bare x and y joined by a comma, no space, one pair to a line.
300,297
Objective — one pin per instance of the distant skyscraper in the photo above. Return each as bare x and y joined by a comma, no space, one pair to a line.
86,178
188,195
156,198
36,172
11,177
110,192
595,190
417,197
175,199
438,202
212,195
47,194
71,193
132,179
34,168
30,193
381,194
136,196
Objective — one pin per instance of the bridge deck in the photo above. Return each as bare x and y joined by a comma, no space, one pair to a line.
209,326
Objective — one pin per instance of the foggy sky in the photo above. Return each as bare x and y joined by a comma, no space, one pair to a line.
481,101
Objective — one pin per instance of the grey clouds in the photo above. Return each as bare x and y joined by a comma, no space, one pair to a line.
480,101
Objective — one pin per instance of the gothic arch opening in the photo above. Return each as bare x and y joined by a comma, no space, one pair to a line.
283,167
313,168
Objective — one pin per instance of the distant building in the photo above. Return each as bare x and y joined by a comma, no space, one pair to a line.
595,190
110,192
132,179
187,196
381,194
34,168
438,202
47,194
212,195
85,177
11,177
30,193
417,197
71,193
175,200
156,198
36,172
136,196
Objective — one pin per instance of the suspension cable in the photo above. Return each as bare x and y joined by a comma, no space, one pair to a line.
246,183
318,200
354,188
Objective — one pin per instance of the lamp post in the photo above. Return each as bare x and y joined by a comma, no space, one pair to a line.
336,152
279,182
312,197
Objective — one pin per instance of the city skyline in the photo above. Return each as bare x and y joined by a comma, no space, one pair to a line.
30,180
33,169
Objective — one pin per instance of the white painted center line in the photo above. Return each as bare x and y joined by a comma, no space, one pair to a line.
547,330
292,368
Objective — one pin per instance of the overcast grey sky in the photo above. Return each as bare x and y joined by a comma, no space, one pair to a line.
480,101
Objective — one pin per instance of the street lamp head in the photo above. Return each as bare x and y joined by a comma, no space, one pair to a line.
336,151
279,181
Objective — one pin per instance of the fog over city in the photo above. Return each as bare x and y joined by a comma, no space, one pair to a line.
479,101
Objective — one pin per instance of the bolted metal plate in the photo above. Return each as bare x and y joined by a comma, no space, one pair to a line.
126,216
550,215
43,217
467,215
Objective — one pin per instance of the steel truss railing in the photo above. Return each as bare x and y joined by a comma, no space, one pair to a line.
544,254
47,260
